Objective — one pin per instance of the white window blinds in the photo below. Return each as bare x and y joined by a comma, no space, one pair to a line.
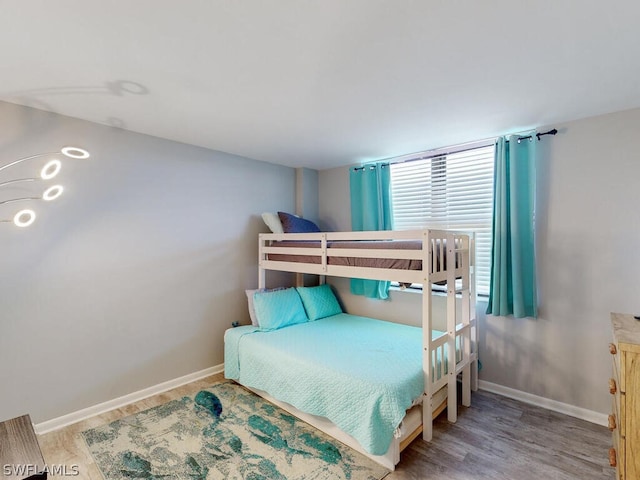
449,191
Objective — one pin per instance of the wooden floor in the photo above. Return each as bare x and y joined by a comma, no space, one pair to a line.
499,438
495,438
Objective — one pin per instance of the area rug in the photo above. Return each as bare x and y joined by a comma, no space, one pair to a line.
222,432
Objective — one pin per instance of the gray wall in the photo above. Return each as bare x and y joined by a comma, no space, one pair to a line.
132,276
307,193
587,239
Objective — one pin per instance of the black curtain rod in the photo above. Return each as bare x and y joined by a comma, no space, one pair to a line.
538,135
553,131
371,167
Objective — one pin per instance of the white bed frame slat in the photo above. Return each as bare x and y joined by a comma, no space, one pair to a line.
460,260
347,252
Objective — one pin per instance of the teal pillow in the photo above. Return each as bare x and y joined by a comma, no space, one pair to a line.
319,302
277,309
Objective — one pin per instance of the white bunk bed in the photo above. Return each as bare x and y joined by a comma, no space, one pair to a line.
425,257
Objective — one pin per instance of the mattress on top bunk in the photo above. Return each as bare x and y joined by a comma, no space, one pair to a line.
360,373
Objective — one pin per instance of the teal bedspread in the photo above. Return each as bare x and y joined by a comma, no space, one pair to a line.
360,373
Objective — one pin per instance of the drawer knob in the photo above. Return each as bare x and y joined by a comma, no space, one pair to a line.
612,386
612,422
612,457
612,349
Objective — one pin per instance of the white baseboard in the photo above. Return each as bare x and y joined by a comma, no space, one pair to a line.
571,410
74,417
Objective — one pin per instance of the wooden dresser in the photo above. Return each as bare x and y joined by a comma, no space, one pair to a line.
624,421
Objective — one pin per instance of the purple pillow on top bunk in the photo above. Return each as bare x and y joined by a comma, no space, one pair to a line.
294,224
319,302
279,308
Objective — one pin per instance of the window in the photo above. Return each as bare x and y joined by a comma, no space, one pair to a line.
449,191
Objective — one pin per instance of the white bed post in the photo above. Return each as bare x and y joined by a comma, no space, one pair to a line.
325,257
452,401
466,319
472,293
427,400
261,271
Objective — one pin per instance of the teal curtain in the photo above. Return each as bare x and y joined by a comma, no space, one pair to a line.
513,269
370,210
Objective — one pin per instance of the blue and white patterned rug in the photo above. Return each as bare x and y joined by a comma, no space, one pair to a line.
223,432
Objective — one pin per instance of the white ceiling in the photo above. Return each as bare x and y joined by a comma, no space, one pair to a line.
321,83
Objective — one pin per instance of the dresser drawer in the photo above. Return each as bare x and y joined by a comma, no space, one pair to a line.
615,357
617,457
614,418
618,401
617,419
